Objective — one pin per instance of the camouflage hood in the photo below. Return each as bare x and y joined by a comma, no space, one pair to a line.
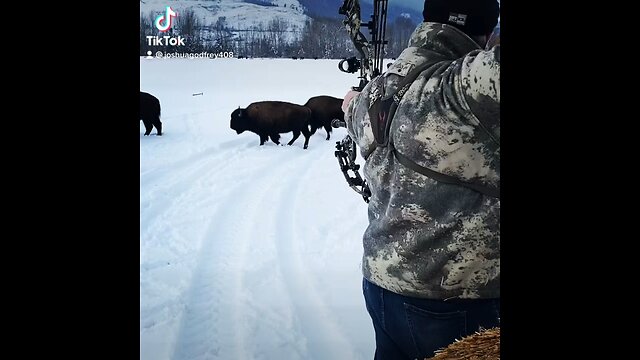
429,238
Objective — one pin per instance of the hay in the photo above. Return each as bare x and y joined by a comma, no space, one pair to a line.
484,345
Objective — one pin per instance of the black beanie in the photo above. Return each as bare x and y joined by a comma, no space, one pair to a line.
473,17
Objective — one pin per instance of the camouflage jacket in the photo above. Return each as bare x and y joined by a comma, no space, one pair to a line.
427,238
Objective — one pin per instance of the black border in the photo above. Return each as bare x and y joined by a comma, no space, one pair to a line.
78,257
542,230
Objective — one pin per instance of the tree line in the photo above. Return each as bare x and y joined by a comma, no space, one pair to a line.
323,38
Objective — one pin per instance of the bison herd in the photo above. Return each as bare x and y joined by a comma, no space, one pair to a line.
267,119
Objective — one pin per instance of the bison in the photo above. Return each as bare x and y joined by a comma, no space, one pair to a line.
268,119
150,113
323,110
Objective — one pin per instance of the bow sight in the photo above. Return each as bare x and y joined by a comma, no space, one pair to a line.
353,65
371,52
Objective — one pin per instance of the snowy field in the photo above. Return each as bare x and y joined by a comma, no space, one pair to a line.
246,251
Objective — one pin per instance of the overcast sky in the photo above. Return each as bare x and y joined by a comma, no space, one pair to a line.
415,4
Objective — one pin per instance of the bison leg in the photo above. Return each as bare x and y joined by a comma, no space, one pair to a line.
327,128
158,125
307,135
275,138
296,134
313,130
263,139
147,126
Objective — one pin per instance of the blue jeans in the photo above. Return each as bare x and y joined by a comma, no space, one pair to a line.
414,328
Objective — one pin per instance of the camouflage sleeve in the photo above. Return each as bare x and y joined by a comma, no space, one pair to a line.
348,116
358,122
479,82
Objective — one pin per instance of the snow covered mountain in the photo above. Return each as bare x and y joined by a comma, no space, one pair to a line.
238,14
269,28
247,14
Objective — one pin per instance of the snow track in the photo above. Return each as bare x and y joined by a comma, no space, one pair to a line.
246,251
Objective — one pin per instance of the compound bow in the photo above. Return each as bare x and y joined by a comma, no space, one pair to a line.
370,66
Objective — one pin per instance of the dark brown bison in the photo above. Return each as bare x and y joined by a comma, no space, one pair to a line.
323,110
150,113
268,119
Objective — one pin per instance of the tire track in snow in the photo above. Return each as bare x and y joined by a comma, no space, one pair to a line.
181,184
173,234
215,324
324,338
179,200
158,175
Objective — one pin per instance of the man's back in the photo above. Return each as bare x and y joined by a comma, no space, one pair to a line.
435,235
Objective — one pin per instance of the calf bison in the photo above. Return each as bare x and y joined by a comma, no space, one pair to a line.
150,113
323,110
268,119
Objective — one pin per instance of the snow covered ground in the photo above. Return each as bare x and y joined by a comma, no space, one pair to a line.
246,251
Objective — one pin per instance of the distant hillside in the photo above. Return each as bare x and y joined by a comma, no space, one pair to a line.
238,14
267,28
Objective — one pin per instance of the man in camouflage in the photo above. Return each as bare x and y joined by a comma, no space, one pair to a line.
431,261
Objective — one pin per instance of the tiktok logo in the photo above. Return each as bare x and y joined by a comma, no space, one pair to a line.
166,19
